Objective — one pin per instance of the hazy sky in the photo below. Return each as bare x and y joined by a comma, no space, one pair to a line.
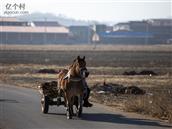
101,10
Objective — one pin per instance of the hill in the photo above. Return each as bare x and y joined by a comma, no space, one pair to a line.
63,20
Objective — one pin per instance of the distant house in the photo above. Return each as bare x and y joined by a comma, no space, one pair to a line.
139,26
81,34
121,26
33,35
160,28
124,37
46,23
160,22
109,28
12,21
13,31
98,28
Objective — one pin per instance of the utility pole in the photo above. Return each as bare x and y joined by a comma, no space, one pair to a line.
147,35
45,31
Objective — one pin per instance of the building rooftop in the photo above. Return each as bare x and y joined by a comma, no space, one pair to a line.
160,22
163,19
78,26
29,29
46,23
122,23
9,19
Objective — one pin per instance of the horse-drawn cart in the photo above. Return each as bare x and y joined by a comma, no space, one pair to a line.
72,88
49,95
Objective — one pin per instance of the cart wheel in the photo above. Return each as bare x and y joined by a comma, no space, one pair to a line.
45,104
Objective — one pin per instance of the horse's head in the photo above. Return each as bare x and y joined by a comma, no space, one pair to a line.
80,67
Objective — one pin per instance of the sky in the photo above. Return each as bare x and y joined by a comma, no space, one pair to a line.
99,10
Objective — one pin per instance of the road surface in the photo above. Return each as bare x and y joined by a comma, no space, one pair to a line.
20,109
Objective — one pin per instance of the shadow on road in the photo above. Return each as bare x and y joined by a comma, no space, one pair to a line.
60,114
116,118
8,101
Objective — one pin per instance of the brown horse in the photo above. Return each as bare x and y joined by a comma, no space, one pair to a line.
70,82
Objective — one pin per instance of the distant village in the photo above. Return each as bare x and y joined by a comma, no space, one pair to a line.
151,31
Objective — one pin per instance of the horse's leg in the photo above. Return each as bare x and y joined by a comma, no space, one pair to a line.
72,103
80,105
76,104
71,110
59,87
65,100
68,114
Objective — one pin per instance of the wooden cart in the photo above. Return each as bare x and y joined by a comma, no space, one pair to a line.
49,95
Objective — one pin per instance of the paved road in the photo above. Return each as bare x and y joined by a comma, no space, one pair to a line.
20,109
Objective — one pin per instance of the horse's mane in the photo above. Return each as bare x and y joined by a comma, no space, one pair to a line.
73,63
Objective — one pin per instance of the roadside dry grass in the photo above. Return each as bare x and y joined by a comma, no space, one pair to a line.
157,103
